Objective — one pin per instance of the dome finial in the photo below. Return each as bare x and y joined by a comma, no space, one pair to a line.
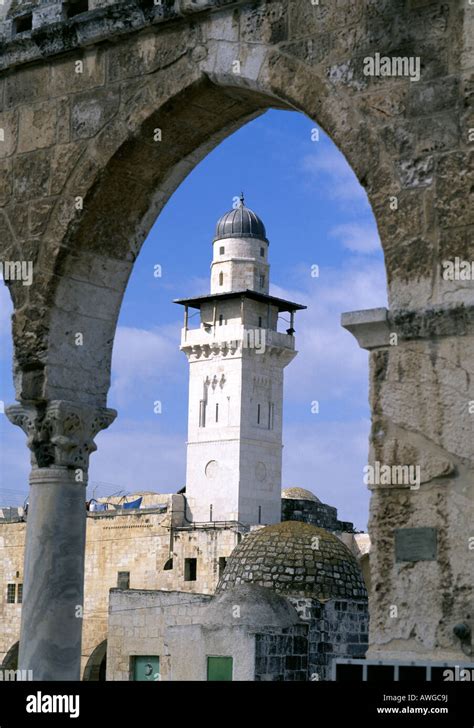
242,200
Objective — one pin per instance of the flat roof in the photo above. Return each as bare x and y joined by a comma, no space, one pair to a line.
280,303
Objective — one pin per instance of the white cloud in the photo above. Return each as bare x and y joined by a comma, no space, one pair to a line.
358,237
141,359
328,166
330,364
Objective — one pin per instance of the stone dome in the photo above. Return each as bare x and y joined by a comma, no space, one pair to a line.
295,559
258,607
240,222
299,494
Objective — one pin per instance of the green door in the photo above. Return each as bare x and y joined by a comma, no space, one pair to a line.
146,667
219,668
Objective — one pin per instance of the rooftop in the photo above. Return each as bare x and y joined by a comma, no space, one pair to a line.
281,303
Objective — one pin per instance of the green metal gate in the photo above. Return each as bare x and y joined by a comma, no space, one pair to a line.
146,667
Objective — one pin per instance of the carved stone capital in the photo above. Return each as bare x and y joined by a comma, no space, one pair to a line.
60,433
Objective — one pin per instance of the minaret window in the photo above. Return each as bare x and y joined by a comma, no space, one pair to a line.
258,414
259,322
222,250
221,279
221,320
217,413
271,415
202,413
262,281
262,252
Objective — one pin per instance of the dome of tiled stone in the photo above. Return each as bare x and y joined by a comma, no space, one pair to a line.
299,494
295,559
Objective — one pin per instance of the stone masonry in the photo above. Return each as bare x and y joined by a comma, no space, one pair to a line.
105,107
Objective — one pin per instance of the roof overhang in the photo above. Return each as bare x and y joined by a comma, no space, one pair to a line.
282,304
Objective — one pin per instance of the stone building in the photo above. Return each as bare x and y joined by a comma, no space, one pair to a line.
291,600
142,555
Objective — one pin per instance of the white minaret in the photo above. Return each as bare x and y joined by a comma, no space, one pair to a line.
236,362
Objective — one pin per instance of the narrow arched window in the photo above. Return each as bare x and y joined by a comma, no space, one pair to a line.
221,279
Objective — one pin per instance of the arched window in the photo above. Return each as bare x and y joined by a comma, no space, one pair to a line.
221,279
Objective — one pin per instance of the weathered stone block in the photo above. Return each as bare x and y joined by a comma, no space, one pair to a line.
27,85
18,217
429,98
307,19
416,172
8,133
5,181
31,175
455,189
310,50
147,54
63,161
91,111
80,71
63,125
268,23
37,128
39,213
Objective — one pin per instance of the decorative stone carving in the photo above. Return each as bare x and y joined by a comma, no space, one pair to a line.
60,433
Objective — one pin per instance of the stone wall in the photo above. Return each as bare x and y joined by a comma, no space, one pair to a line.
318,514
338,628
139,542
282,656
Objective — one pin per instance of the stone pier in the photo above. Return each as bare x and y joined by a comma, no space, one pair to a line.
422,501
60,437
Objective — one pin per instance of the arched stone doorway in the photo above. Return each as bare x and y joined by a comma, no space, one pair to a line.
96,667
10,661
157,101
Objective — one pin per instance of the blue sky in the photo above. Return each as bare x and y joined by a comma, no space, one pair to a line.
315,213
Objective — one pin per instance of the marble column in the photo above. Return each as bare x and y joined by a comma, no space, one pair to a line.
421,478
60,437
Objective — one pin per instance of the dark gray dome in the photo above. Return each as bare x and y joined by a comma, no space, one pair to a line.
241,222
295,559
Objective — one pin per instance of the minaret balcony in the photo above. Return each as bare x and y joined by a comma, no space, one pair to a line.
231,338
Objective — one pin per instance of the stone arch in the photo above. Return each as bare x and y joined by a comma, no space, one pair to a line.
96,666
10,661
87,256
